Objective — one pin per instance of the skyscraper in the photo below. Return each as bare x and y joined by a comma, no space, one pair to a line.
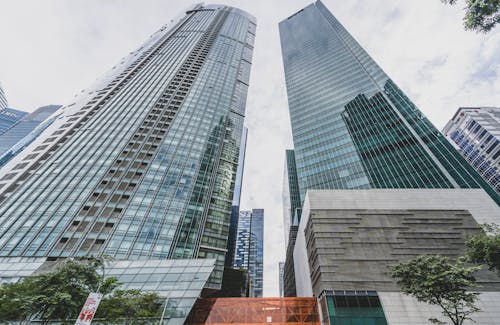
25,131
249,253
281,279
8,116
3,99
378,182
353,128
235,209
142,165
291,194
292,210
475,132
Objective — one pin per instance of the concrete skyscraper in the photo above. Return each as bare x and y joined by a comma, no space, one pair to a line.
475,132
141,167
378,182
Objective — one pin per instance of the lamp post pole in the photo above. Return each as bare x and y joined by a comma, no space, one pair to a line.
163,312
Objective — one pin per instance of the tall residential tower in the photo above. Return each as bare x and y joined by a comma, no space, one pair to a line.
142,165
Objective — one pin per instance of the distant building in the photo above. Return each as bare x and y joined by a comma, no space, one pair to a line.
25,131
475,132
3,99
235,209
9,117
281,279
249,253
291,218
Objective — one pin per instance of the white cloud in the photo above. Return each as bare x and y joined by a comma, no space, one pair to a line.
53,49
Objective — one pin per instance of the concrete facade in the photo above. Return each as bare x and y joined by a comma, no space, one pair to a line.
400,309
349,239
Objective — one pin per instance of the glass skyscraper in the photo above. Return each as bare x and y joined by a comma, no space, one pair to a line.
235,209
249,253
25,131
291,194
292,210
142,165
353,128
8,116
383,184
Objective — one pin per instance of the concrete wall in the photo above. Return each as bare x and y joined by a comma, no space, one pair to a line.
348,239
401,309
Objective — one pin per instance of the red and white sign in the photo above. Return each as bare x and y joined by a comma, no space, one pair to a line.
89,309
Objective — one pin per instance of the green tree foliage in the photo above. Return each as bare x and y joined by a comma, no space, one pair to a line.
439,281
481,15
60,294
129,307
485,248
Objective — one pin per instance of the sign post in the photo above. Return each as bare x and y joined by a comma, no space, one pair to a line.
89,309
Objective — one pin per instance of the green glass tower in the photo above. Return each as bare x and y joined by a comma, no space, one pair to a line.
353,128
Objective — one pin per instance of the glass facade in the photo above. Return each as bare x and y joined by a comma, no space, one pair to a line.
291,194
475,132
142,165
179,282
9,117
351,308
299,311
292,207
24,132
249,253
235,209
353,128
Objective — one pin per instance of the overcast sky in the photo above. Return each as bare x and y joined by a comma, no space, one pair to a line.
52,49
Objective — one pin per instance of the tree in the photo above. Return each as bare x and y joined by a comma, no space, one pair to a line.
438,281
481,15
485,248
60,294
130,306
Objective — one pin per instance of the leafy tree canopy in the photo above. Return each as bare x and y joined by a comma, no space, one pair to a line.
480,15
485,248
439,281
61,293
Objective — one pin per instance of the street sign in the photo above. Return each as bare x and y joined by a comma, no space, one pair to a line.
89,309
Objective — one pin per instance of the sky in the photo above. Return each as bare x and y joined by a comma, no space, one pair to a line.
50,50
